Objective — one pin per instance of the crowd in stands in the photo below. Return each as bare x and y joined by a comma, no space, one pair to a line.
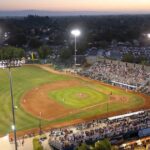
114,72
117,52
136,51
115,128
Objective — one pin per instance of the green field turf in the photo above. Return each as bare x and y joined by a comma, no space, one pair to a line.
78,97
24,79
95,94
28,77
83,96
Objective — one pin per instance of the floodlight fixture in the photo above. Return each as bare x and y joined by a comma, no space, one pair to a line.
13,127
148,35
76,32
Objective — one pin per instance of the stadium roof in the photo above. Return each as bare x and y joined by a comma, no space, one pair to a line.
125,115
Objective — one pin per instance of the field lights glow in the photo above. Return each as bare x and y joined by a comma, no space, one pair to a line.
75,32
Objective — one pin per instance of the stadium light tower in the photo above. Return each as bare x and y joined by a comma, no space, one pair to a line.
12,64
75,33
148,35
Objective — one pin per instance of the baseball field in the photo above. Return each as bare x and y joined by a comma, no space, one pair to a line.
53,99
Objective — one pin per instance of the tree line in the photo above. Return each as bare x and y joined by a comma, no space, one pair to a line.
98,30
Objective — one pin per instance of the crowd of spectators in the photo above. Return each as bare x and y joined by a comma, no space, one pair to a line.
120,73
114,129
137,51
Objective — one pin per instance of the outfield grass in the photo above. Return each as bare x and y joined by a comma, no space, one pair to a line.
24,79
28,77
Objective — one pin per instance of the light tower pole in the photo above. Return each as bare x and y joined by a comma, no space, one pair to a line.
75,33
12,64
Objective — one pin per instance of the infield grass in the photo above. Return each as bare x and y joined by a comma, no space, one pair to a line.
78,97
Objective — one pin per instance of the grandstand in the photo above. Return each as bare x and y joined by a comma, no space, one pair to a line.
4,63
120,74
124,127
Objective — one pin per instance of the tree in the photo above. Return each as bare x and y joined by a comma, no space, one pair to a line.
17,39
141,59
103,44
11,53
82,147
115,148
99,145
65,54
44,51
103,145
34,43
128,57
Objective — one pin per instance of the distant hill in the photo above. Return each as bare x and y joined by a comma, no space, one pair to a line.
61,13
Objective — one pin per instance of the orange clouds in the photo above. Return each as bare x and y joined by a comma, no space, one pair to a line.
67,5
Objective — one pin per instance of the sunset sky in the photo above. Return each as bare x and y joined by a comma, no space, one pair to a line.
76,5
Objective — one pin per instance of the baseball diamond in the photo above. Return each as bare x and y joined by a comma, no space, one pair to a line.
59,99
